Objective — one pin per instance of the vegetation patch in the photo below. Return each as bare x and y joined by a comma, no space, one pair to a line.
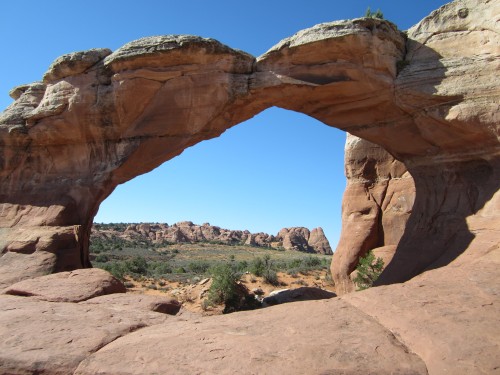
368,271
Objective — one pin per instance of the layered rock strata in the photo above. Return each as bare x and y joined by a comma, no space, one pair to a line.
429,98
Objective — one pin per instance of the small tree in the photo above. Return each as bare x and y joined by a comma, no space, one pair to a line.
368,270
378,14
224,287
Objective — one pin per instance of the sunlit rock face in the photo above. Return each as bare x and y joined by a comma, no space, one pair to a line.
100,118
377,203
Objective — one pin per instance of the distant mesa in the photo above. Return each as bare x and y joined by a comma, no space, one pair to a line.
295,238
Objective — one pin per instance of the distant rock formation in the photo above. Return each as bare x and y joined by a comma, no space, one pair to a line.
297,238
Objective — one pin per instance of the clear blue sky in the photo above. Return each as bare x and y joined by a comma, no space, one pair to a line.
276,170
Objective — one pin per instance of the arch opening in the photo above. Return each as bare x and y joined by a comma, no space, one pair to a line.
278,169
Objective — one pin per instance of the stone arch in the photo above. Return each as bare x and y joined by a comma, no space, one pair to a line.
99,118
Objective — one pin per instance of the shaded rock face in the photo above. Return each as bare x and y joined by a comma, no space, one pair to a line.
429,99
377,203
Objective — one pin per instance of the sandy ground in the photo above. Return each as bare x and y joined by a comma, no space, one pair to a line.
192,294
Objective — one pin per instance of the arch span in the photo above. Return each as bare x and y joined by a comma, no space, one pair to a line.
99,119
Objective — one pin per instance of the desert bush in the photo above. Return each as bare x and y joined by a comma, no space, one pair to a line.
102,258
117,269
257,266
180,270
271,277
224,287
198,267
241,266
138,265
368,270
329,278
312,262
378,14
293,272
160,268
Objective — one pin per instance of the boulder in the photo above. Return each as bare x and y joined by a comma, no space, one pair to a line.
164,305
74,286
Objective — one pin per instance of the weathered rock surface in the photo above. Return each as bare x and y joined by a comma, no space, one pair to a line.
39,337
144,302
74,286
448,316
376,206
261,342
450,89
297,238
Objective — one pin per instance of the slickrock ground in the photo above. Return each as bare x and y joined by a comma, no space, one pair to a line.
430,98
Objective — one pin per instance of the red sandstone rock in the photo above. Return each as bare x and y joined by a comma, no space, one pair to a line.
318,241
74,286
53,337
130,301
267,341
377,203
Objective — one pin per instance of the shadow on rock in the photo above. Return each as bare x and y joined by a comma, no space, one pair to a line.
294,295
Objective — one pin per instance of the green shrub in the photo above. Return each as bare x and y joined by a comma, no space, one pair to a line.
257,266
312,262
224,287
242,266
378,14
180,270
271,277
160,268
368,270
102,258
138,265
117,269
198,267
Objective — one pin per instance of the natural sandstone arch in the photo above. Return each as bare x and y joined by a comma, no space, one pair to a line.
101,118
